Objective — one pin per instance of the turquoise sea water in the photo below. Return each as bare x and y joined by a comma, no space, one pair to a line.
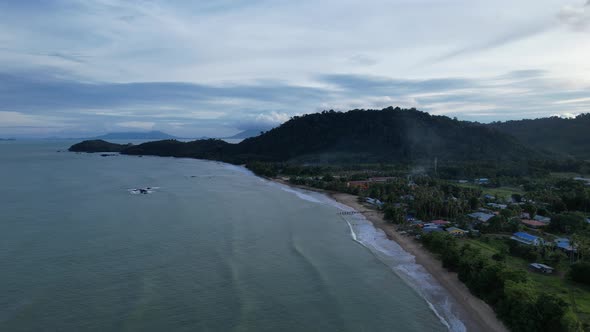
214,248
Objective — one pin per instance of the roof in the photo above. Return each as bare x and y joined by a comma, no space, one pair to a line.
541,218
455,229
541,266
533,223
440,222
481,216
525,236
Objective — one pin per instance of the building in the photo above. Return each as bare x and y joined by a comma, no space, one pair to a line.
533,223
481,216
358,184
583,179
374,201
456,231
564,244
541,268
382,179
497,206
440,222
481,181
542,219
527,238
431,229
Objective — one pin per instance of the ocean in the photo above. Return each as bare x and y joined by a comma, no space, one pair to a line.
211,248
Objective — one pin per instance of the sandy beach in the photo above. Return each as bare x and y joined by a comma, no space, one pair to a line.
475,313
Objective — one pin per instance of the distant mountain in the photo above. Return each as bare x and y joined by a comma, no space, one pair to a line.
568,137
357,136
7,139
247,134
152,135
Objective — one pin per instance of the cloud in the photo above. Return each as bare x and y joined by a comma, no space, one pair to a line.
141,125
513,36
577,17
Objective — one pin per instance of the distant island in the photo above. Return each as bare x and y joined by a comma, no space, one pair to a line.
7,139
247,134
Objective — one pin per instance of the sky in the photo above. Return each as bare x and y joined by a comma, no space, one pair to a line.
78,68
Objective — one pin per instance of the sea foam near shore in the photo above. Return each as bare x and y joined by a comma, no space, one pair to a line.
392,255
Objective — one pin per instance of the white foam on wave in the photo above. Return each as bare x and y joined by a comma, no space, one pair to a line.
405,266
305,195
394,256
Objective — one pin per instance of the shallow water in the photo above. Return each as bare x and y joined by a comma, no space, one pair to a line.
214,248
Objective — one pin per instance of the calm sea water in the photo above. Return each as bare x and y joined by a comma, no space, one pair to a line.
213,249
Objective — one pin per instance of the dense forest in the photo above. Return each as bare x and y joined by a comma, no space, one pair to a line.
569,137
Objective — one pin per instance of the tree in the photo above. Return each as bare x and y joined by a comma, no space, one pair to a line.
567,223
394,214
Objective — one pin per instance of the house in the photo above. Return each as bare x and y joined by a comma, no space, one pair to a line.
481,216
358,184
541,268
416,222
542,219
374,201
456,231
583,179
382,179
525,215
564,244
488,196
481,181
497,206
431,229
527,238
462,181
533,223
440,222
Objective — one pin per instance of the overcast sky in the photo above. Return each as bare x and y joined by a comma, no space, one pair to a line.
193,68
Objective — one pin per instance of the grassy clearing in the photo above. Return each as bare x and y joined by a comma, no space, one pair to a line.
498,192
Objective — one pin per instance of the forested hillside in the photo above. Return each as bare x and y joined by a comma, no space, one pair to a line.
357,136
568,137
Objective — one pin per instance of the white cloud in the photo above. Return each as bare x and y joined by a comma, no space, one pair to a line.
576,16
143,125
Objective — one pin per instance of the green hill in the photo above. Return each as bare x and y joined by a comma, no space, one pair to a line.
388,135
567,137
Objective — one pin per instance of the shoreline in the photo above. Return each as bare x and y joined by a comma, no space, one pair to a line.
475,314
